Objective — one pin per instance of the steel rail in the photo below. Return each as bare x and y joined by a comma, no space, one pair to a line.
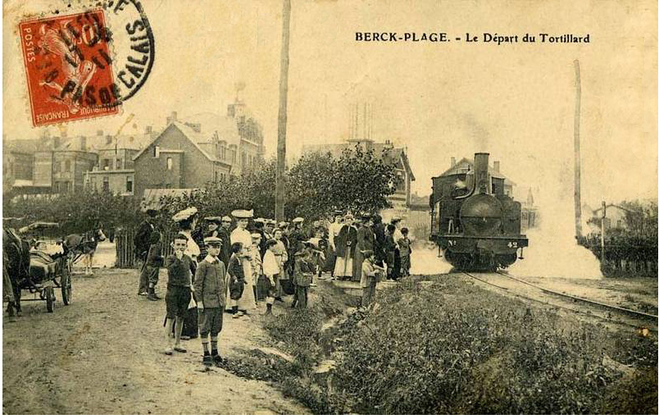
628,311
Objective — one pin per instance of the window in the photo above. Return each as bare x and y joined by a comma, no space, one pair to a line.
215,177
118,164
56,167
106,184
106,164
129,184
170,163
67,166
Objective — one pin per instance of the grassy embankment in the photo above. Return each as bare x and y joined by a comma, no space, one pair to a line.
451,347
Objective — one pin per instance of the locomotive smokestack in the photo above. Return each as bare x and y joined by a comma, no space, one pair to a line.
481,176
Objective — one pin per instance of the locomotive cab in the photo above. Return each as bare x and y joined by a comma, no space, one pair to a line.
474,223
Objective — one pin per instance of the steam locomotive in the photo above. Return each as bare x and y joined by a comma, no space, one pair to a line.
474,222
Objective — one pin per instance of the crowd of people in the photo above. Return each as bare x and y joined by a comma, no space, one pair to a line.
215,268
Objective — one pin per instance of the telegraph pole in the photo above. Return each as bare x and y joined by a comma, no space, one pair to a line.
283,102
577,151
603,258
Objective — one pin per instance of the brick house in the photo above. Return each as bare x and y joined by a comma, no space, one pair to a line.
205,148
176,160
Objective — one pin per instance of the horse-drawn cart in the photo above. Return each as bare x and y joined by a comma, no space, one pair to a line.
37,265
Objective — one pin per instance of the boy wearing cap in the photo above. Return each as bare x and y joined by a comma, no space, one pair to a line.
369,277
210,291
302,275
178,295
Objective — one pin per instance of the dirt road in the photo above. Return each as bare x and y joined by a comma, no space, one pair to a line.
103,355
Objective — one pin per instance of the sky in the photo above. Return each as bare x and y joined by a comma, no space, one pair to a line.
439,100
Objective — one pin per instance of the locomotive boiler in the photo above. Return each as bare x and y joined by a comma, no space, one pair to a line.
474,222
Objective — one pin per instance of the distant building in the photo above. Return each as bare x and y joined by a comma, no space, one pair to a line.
401,198
204,148
18,165
175,160
466,165
615,218
418,217
115,171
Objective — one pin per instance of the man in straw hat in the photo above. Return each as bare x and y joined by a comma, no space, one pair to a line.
187,222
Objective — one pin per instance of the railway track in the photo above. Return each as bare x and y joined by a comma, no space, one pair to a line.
523,289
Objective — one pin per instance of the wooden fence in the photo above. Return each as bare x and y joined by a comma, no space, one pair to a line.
126,248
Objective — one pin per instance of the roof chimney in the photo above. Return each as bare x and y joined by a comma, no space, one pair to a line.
83,143
172,118
148,129
497,166
452,161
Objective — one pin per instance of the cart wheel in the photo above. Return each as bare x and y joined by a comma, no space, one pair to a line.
50,298
66,286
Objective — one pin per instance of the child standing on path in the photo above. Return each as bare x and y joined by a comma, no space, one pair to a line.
303,275
405,249
236,277
271,270
369,277
178,295
210,292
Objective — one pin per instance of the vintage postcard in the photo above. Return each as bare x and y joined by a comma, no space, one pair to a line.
329,207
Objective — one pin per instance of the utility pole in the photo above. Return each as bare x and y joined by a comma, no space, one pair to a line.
603,257
283,102
577,151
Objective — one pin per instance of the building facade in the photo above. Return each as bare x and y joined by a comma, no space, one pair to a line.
175,160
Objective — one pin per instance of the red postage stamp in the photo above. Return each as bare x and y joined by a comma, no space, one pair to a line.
68,67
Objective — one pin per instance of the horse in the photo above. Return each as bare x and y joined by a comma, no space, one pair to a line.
15,268
84,245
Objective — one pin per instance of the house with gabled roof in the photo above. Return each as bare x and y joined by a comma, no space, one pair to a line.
179,159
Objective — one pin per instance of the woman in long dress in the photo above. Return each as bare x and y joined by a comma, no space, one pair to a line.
240,234
345,242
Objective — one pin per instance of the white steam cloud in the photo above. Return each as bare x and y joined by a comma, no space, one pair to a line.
553,249
425,260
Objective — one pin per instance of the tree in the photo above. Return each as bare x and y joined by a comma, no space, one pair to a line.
363,182
316,185
77,212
